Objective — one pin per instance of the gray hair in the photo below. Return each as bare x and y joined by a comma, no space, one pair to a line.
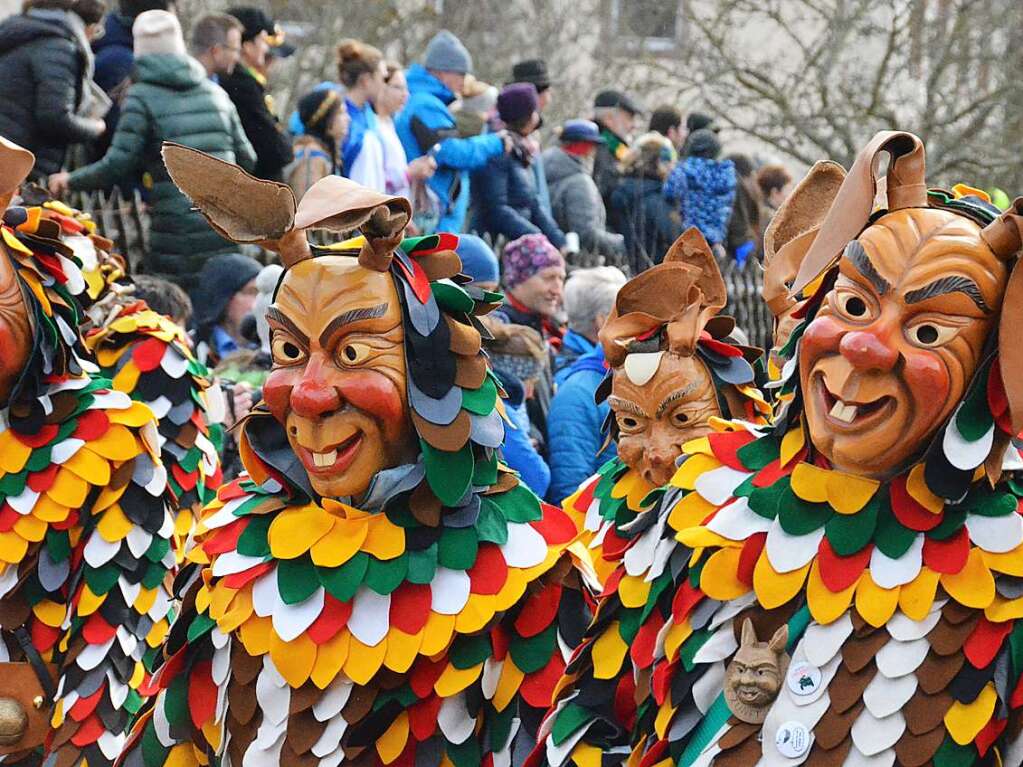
589,293
211,30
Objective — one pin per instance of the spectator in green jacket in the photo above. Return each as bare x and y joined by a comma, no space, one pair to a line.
171,100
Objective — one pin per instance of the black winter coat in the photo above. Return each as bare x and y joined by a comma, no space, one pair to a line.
40,89
646,219
265,132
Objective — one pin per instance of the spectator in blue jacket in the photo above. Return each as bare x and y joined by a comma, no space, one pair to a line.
705,187
479,262
426,126
506,200
575,423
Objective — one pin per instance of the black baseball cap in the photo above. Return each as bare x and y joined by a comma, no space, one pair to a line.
254,21
611,98
531,71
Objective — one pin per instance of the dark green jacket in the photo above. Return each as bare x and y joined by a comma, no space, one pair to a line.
171,100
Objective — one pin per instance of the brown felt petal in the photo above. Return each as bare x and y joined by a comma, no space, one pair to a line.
359,704
465,339
917,750
905,185
424,505
1010,350
835,757
187,434
242,702
947,638
953,612
857,653
736,734
304,730
304,698
64,404
847,687
65,732
14,610
924,712
937,671
440,266
834,726
244,667
242,736
449,438
470,372
505,481
746,753
292,758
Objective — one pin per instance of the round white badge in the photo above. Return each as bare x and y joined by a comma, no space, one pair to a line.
793,740
804,679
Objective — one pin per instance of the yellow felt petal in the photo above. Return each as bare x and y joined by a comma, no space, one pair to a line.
14,243
158,633
719,578
633,591
452,680
663,719
255,635
330,658
294,660
609,652
144,601
364,661
297,528
239,610
586,755
508,684
640,489
773,588
701,537
810,482
181,755
384,539
68,489
12,547
48,510
137,676
792,443
624,485
677,634
1002,610
117,444
341,543
30,528
964,721
402,649
137,415
699,446
826,606
13,453
973,586
687,474
220,600
512,589
437,633
113,525
875,604
392,742
203,597
88,601
1010,563
476,614
50,613
689,512
90,467
213,732
917,488
107,497
917,596
847,493
127,377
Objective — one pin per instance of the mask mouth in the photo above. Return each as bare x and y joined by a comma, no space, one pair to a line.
332,460
850,415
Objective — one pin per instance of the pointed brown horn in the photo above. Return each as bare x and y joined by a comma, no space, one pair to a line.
1004,236
905,186
691,248
15,164
239,206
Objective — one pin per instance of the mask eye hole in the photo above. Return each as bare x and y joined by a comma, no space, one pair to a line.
354,353
629,423
680,419
930,335
852,305
286,352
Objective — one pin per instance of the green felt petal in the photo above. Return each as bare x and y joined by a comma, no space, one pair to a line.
892,538
533,653
491,525
448,474
342,582
520,505
849,533
480,401
422,565
253,540
296,579
469,651
384,577
568,720
457,548
201,625
758,453
799,517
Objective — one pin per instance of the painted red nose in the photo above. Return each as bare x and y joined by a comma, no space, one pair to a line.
868,352
313,397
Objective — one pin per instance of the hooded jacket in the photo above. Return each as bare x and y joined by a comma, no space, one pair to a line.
172,100
425,122
577,204
706,189
41,89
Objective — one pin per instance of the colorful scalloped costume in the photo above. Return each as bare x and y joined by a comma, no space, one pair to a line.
85,527
902,599
428,626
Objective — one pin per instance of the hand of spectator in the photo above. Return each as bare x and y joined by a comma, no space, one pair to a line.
58,183
98,125
422,168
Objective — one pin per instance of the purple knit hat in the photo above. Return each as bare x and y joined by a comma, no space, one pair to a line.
526,256
517,101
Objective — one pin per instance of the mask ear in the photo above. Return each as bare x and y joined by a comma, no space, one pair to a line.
749,634
779,640
15,165
691,248
792,230
904,186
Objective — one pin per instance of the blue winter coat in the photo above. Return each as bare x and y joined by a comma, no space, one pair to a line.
573,346
507,201
706,190
426,121
574,432
518,451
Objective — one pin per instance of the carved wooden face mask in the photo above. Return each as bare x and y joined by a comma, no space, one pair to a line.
898,338
754,676
15,329
338,383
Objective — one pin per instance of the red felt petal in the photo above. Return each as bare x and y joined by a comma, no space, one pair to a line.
44,637
89,731
8,518
489,573
422,717
625,701
582,503
654,755
748,557
997,400
555,525
950,555
837,572
660,682
539,611
614,545
499,640
724,445
771,473
721,348
53,266
84,707
92,424
910,513
97,630
41,438
226,538
231,490
642,649
424,676
186,479
985,642
613,580
41,481
687,597
148,354
202,693
420,282
333,617
987,736
1016,699
238,580
538,688
67,524
410,607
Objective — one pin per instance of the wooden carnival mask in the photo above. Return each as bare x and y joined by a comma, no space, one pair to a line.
897,340
662,392
15,322
754,676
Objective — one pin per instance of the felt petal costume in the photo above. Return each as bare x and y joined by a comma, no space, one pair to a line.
897,591
424,619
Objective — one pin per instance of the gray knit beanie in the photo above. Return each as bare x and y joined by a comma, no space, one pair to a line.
445,53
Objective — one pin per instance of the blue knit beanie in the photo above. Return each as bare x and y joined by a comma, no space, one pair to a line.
478,260
445,53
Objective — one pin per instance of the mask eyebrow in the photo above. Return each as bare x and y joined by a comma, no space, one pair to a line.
674,397
617,403
350,317
858,257
945,285
274,315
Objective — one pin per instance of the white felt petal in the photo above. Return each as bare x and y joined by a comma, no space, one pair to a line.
884,696
231,562
857,759
273,699
333,699
730,609
718,647
224,515
897,659
157,484
138,541
333,759
525,547
127,640
118,691
263,756
889,573
221,666
160,407
787,553
160,723
454,720
872,735
963,454
640,555
23,502
717,485
62,451
783,711
93,655
737,521
709,686
665,548
289,621
98,551
331,737
269,732
995,534
640,367
111,400
265,597
111,744
824,642
491,676
905,629
449,591
558,755
369,619
8,578
173,364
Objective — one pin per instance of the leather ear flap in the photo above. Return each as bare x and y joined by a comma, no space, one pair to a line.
905,187
15,165
779,640
748,638
240,207
691,248
1010,350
